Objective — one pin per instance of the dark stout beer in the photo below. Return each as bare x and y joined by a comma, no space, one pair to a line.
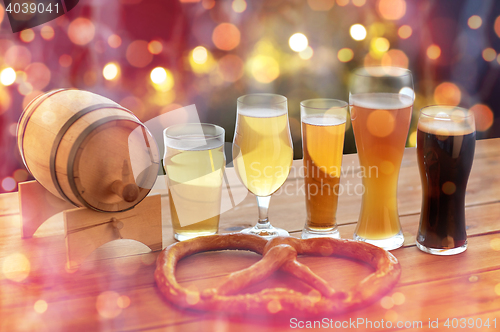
445,151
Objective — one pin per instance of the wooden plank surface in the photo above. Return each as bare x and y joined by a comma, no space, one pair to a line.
114,288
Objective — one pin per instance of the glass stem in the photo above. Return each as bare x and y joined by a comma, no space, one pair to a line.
263,203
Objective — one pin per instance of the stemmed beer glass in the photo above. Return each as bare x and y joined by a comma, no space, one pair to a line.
381,101
262,152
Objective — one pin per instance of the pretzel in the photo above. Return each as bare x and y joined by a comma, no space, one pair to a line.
278,253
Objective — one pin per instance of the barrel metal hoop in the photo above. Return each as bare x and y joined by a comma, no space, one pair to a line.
57,141
36,102
74,150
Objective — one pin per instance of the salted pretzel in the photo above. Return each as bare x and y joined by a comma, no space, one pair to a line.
278,253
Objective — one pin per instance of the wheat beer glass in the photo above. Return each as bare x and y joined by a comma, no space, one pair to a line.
262,152
446,140
194,162
323,129
381,101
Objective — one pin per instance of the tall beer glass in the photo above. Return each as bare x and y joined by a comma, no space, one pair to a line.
446,140
381,100
262,152
194,162
323,131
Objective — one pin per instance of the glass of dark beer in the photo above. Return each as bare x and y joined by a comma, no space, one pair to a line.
446,140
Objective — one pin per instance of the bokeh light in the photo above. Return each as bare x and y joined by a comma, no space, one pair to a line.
47,32
123,301
489,54
342,3
378,46
321,5
27,35
8,76
16,267
155,47
359,3
81,31
107,304
395,58
20,175
40,306
65,60
18,57
239,6
9,184
138,54
231,67
433,52
110,71
495,244
496,26
483,116
199,55
447,93
345,55
162,78
392,9
358,32
226,36
412,139
114,41
298,42
307,53
264,69
158,75
208,4
38,75
474,22
386,302
405,31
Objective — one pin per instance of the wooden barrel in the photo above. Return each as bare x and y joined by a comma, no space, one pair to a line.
88,150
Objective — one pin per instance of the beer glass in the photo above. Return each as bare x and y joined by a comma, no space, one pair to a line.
262,152
194,162
446,140
381,101
323,129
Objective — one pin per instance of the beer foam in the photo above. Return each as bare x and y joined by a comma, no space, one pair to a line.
445,127
194,143
262,112
385,101
324,120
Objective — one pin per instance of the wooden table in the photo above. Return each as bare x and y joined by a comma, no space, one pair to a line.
115,290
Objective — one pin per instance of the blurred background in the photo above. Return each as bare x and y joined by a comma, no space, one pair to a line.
155,56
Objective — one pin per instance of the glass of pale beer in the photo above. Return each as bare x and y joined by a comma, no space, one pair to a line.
262,152
381,102
323,131
194,162
446,140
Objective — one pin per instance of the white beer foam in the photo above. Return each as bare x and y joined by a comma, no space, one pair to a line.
262,112
324,120
385,101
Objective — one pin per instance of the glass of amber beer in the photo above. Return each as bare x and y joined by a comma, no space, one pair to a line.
194,162
446,140
323,129
262,152
381,101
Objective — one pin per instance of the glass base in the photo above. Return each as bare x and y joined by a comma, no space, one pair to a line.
187,236
443,252
388,244
308,233
267,232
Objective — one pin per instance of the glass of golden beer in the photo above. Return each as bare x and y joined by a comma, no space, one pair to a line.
194,162
262,152
381,102
323,129
446,140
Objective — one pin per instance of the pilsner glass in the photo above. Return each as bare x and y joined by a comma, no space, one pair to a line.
194,162
446,139
262,152
323,131
381,100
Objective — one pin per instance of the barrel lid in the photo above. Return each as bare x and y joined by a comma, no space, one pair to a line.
109,159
